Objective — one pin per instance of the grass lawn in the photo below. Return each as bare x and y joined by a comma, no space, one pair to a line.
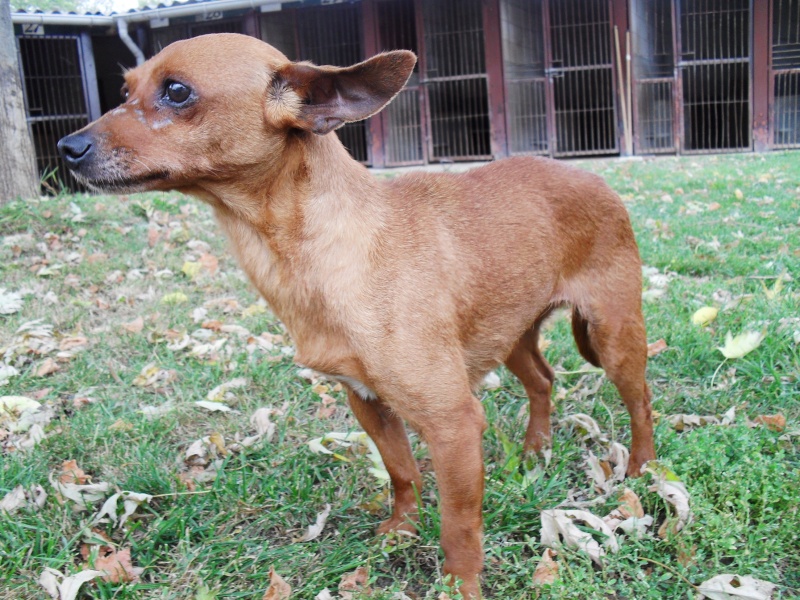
142,313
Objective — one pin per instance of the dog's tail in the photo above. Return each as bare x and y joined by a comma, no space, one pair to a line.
580,330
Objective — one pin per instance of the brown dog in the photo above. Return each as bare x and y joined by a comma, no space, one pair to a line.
386,285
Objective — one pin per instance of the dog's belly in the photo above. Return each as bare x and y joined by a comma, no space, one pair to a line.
364,392
358,387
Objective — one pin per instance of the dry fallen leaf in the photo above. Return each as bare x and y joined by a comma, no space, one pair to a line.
629,516
735,587
34,497
213,406
260,420
6,373
742,344
656,347
81,495
72,473
315,530
222,392
175,298
772,422
354,582
65,588
587,426
682,422
278,589
547,569
191,269
134,326
704,316
10,302
154,376
131,501
671,489
116,565
558,525
48,367
209,262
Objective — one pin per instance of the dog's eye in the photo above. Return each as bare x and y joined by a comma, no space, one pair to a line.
124,92
177,93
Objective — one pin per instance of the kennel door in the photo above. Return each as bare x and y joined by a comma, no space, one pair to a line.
455,80
714,74
581,77
57,100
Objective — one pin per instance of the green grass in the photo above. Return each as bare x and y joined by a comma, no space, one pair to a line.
715,244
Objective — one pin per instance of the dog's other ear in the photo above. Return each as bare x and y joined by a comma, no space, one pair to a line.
332,96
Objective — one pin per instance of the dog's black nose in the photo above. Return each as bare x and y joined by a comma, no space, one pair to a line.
75,148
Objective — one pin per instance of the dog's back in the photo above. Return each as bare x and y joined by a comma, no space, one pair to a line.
500,245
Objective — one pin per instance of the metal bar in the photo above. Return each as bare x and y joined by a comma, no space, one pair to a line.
89,72
496,82
374,125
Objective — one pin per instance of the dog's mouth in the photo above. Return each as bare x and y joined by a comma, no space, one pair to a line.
121,184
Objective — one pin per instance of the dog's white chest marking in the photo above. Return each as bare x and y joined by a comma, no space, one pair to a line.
354,384
364,392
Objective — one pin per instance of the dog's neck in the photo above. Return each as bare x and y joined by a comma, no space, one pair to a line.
309,240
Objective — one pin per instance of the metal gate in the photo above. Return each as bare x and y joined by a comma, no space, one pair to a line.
57,99
692,75
331,35
558,66
455,81
581,74
714,67
654,72
402,119
522,26
785,73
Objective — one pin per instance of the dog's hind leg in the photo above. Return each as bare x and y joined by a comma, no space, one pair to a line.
389,434
530,367
614,326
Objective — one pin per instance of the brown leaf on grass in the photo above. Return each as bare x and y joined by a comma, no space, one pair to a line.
120,425
328,407
686,555
213,325
630,505
656,347
72,473
315,530
47,367
278,589
547,569
629,515
81,401
153,234
134,326
116,565
354,582
775,422
77,342
210,263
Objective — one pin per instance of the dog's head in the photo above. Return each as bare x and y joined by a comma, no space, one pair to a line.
216,107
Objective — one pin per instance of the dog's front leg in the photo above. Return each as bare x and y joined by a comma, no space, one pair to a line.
389,434
454,435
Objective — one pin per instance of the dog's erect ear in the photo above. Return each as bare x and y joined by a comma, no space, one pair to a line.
332,96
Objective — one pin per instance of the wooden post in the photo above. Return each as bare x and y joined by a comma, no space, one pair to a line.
18,176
